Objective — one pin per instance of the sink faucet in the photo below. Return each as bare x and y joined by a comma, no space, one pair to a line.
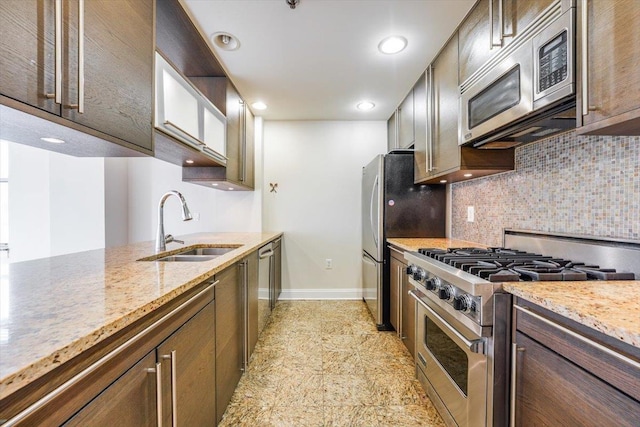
161,239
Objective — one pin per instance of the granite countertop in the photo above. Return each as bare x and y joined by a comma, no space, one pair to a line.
412,244
611,307
55,308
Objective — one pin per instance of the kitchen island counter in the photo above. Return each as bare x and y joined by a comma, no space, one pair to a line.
54,309
610,307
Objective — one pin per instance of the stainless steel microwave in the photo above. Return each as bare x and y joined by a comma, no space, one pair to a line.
510,99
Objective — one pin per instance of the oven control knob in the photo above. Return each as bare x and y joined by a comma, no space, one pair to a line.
463,303
431,284
419,274
446,292
410,269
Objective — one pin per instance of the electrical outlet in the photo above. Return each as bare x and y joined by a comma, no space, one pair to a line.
471,213
328,264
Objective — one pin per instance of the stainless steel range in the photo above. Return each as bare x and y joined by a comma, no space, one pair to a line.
463,316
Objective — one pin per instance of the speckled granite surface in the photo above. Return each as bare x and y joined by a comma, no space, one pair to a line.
56,308
611,307
413,244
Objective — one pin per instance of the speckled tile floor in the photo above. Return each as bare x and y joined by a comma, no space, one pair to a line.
323,363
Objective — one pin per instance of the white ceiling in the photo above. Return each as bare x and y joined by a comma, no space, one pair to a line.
317,61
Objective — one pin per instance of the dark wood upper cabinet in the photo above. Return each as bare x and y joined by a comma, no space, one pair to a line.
492,25
610,102
438,157
27,52
111,80
118,68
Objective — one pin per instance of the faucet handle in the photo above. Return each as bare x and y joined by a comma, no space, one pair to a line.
169,238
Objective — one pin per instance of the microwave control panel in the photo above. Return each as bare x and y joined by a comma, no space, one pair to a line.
553,62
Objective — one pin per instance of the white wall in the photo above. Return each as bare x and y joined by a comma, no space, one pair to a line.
318,169
56,203
222,211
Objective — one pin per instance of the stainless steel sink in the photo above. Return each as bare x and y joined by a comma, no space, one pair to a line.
194,254
187,258
206,251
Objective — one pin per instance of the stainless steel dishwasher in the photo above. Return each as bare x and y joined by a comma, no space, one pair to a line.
265,268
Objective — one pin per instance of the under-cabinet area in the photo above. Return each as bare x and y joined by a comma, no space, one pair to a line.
173,347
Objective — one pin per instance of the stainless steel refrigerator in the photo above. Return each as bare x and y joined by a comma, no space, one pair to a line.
392,206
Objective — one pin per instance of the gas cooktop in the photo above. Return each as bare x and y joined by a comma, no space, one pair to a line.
509,265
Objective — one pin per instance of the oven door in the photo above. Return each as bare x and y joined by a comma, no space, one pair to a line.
454,363
499,97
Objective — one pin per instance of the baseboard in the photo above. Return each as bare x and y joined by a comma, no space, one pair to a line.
321,294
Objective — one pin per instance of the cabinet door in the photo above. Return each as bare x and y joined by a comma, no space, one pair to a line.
191,388
235,109
408,317
613,81
394,293
406,130
445,151
476,46
552,391
392,131
118,68
249,149
229,336
27,52
252,300
129,402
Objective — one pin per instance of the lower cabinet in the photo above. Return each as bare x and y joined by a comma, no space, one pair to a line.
131,399
180,372
159,371
402,310
229,336
564,374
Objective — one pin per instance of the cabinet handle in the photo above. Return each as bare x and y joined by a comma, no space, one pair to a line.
514,371
399,313
80,105
174,386
184,132
584,15
431,119
57,95
158,371
243,139
245,314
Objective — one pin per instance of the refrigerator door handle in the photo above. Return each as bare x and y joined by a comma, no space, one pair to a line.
373,228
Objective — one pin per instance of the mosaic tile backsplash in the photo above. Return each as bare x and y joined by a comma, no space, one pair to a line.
566,184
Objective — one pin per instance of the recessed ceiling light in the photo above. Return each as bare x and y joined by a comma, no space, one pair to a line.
230,188
392,44
215,184
189,161
468,175
443,181
259,105
53,140
225,41
365,105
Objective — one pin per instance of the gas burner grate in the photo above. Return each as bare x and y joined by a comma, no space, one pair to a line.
498,264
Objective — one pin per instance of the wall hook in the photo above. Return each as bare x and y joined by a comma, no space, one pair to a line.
274,187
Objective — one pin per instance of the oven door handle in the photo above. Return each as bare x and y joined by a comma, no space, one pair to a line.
475,346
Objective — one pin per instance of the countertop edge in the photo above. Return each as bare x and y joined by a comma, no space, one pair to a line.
38,368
